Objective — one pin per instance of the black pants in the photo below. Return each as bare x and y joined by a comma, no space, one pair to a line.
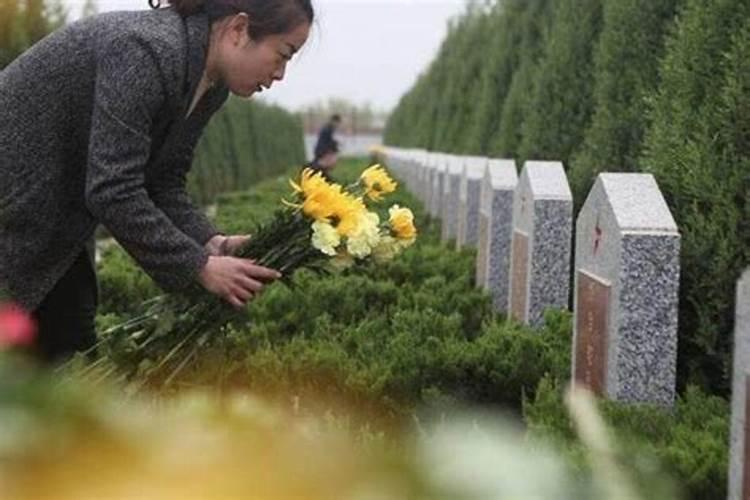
65,318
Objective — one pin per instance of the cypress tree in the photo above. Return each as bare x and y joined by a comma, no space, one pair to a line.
506,134
698,147
457,70
627,61
474,65
500,60
561,104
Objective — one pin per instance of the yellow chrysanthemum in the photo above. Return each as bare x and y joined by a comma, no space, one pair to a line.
365,236
327,202
402,223
322,202
377,182
310,181
347,212
325,238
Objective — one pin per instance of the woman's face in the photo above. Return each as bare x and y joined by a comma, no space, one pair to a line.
246,66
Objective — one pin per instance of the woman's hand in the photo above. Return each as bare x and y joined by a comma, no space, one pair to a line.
226,245
235,280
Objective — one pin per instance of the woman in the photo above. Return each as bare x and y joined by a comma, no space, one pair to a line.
98,125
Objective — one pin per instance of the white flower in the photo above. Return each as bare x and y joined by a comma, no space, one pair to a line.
325,238
365,236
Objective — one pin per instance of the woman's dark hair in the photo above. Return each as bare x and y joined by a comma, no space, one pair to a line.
267,17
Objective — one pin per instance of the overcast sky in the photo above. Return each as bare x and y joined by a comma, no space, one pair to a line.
361,50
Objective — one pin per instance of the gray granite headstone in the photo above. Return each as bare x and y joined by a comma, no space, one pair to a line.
627,269
410,169
419,162
496,230
402,165
451,192
437,184
467,232
739,446
540,252
395,160
425,178
432,165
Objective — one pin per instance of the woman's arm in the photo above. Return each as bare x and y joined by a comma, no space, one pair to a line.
168,188
130,90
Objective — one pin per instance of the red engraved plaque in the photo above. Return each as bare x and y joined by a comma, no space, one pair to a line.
519,271
746,451
592,321
482,251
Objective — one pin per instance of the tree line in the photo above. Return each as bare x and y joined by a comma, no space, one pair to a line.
659,86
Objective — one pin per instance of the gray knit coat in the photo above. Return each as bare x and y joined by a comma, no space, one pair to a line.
93,129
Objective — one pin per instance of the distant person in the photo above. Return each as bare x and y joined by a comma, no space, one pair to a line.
326,141
326,161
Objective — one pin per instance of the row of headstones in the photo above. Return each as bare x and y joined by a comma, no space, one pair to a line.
627,248
626,259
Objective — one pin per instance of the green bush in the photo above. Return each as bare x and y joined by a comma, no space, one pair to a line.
690,443
122,284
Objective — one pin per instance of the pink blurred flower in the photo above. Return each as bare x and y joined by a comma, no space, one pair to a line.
17,327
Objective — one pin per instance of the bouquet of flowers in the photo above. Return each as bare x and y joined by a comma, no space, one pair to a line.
323,223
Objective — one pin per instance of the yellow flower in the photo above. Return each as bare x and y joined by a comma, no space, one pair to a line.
327,202
377,182
310,181
325,238
316,195
402,223
365,236
347,211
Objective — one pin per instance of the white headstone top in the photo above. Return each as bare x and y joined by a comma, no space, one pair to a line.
442,161
547,180
455,164
417,155
503,173
637,203
475,167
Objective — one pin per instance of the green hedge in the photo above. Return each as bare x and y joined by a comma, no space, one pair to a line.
245,142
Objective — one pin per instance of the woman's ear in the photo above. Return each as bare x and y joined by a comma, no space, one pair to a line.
238,28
